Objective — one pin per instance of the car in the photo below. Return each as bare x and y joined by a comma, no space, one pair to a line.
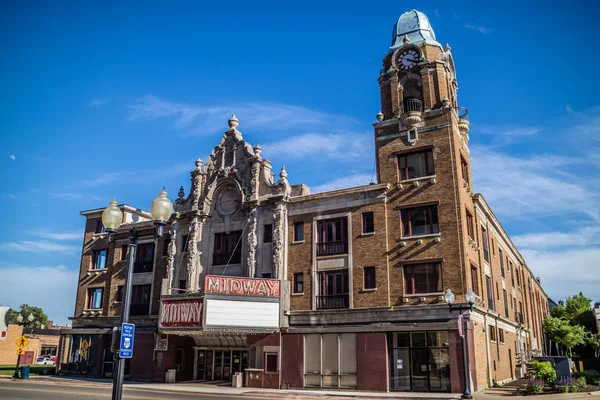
44,360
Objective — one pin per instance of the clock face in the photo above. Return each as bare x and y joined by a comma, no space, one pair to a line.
408,59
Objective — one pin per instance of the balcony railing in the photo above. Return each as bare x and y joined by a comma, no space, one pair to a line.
139,309
227,258
333,301
463,113
330,248
411,105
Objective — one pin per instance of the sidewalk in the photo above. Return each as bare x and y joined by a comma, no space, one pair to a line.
510,390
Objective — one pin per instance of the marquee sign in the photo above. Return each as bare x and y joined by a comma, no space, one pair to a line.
231,285
181,312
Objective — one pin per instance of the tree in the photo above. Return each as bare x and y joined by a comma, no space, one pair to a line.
39,316
593,340
564,334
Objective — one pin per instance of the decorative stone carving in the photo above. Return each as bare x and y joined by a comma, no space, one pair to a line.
279,217
379,116
251,242
172,250
193,256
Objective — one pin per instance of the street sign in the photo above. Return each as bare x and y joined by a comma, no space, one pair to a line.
22,342
126,346
85,345
20,352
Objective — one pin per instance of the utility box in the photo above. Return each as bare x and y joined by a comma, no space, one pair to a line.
562,365
237,381
25,372
170,376
254,377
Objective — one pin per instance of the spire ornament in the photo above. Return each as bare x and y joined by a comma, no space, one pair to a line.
379,116
233,122
405,39
447,48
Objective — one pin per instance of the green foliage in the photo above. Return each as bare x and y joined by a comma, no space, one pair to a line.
562,332
33,369
534,386
593,340
544,370
39,316
592,377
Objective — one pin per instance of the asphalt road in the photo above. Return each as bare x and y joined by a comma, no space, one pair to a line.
12,390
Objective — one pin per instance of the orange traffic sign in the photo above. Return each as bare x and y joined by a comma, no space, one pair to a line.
83,353
22,342
85,345
20,352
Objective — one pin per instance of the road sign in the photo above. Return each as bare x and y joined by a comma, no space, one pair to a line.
83,353
85,345
20,352
126,346
22,342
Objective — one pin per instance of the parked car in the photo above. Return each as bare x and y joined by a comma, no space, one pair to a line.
44,360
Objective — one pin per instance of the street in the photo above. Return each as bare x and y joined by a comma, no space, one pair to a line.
12,390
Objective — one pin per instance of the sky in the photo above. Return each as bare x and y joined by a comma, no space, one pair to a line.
103,99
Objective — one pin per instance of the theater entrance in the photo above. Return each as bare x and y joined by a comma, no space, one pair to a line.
220,365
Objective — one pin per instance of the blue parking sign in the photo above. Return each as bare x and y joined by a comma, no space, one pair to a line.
127,334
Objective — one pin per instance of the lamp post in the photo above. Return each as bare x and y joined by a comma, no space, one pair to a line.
471,296
112,217
30,318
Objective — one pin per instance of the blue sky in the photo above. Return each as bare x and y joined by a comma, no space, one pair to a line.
104,99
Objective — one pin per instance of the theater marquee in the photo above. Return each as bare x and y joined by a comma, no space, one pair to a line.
181,312
229,285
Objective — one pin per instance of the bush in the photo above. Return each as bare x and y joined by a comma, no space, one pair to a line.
592,377
535,386
571,385
544,370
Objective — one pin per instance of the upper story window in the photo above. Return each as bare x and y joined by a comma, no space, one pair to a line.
470,225
501,256
298,282
299,231
512,273
419,221
464,168
492,330
368,223
423,278
501,335
144,258
99,259
99,227
140,299
333,289
474,280
416,165
94,299
486,244
119,294
369,278
184,243
505,298
489,292
332,236
124,252
228,249
268,233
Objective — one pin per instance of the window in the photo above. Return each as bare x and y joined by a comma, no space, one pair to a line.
422,278
119,293
99,259
166,244
298,231
505,302
94,298
369,278
493,248
474,279
298,282
486,244
99,227
368,224
144,258
333,289
182,284
470,231
416,165
492,333
124,252
330,360
266,275
184,243
518,279
332,237
490,292
179,359
512,274
501,335
464,167
140,299
49,350
501,255
268,233
419,221
271,363
227,248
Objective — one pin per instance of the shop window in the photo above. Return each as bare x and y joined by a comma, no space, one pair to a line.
369,278
474,279
271,363
99,259
419,221
368,224
330,360
332,236
268,233
298,231
422,278
333,289
416,165
94,300
144,258
179,359
298,282
486,244
227,249
124,252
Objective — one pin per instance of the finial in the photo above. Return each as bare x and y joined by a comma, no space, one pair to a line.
181,193
447,48
283,173
198,164
257,149
445,102
233,122
405,39
379,116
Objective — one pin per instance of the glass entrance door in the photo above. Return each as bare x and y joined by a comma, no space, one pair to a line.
218,370
201,374
420,370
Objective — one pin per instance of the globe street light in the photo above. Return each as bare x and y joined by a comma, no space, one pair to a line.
112,218
471,297
20,319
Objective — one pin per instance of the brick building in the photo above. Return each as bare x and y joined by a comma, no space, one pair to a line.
341,289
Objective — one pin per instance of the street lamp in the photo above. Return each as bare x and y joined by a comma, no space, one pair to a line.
471,296
112,217
30,318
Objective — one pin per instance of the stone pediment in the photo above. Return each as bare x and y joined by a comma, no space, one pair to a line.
234,174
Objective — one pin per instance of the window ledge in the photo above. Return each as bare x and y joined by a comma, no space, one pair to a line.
298,294
421,178
434,294
97,271
367,233
368,290
419,236
298,242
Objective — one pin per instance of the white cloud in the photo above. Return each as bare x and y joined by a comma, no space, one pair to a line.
342,183
584,236
197,119
135,176
8,196
343,146
97,102
12,157
39,247
480,29
52,288
510,131
75,235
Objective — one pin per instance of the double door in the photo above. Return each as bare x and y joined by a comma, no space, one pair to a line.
220,365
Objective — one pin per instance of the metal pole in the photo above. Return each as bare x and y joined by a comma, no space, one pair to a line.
120,373
16,374
466,394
